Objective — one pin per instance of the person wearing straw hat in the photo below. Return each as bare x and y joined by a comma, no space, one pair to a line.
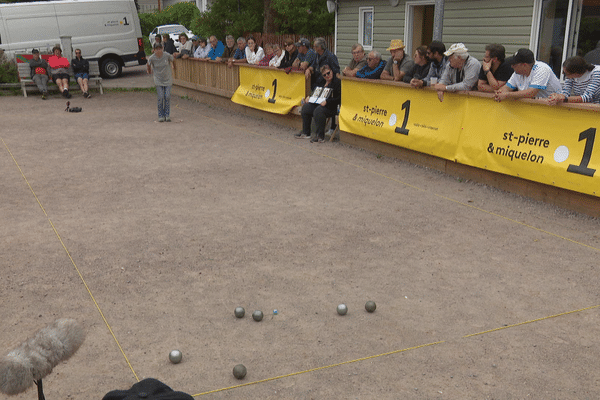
462,72
399,63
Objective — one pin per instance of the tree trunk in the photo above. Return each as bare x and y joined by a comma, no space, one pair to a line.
268,24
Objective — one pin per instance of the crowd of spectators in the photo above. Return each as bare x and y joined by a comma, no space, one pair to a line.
59,69
442,69
454,69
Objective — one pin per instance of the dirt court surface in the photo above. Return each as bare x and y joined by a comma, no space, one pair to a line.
173,225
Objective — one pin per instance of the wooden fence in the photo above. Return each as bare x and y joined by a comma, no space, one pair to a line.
207,76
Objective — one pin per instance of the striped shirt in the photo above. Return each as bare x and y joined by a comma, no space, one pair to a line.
587,86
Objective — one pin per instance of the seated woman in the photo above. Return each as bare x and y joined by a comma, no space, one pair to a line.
278,56
268,55
254,53
325,108
81,70
421,67
291,52
59,70
582,83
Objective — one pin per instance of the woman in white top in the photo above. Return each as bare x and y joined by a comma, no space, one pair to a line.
279,54
254,53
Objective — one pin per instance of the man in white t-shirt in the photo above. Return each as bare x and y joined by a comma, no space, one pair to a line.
531,79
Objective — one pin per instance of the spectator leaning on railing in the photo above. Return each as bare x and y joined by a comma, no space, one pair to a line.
291,52
462,72
582,83
185,50
439,61
495,71
531,79
216,48
374,67
421,65
239,56
306,55
202,49
278,56
264,62
398,64
229,49
254,53
358,61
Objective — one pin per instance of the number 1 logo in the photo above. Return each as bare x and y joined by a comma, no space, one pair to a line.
402,130
272,99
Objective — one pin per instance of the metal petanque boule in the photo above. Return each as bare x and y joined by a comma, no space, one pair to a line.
370,306
175,356
257,315
239,312
342,309
239,371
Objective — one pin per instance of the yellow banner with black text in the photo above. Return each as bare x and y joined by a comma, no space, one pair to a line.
270,90
552,145
414,119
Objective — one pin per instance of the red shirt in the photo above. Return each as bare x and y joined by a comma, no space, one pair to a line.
58,62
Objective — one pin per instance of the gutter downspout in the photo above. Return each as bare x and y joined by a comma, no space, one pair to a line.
438,20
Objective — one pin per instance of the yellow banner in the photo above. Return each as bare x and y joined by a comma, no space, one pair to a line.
269,90
414,119
551,145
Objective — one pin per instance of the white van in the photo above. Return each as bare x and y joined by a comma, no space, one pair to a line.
106,31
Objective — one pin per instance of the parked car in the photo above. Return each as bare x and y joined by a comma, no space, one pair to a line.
173,31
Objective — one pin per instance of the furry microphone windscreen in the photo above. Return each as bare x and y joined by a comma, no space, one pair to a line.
33,359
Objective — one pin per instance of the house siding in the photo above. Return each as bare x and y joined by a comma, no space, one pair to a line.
475,23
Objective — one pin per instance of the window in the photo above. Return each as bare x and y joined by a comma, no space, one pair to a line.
365,27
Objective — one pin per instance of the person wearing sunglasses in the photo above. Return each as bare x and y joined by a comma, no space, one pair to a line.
324,103
81,70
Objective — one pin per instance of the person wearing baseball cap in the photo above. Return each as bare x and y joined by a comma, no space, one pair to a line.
39,72
531,79
306,55
462,72
399,64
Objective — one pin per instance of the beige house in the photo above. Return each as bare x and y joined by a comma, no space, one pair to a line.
552,29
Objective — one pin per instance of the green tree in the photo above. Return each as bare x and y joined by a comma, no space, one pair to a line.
224,17
185,14
303,17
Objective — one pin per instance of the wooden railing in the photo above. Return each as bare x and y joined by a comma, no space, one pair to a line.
213,77
206,76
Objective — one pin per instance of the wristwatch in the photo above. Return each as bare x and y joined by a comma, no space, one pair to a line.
396,62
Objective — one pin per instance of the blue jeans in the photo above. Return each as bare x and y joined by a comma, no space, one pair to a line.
164,101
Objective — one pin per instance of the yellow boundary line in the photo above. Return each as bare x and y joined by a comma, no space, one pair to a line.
392,352
327,366
72,261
